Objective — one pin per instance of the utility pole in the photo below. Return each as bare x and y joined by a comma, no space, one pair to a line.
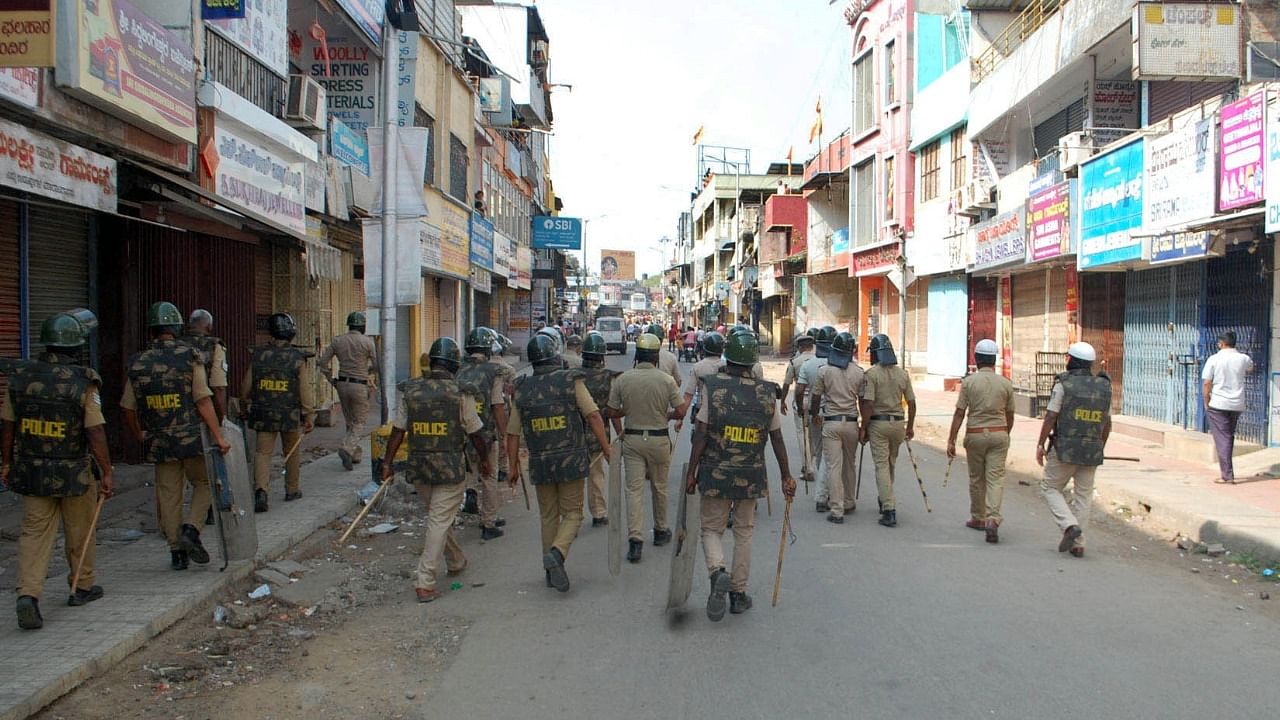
390,139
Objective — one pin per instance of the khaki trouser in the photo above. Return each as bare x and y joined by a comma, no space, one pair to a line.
266,447
840,450
169,492
1052,487
355,411
490,499
40,529
645,457
560,508
715,516
886,441
441,503
596,501
985,453
811,457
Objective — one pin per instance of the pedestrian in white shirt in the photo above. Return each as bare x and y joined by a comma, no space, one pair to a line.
1224,398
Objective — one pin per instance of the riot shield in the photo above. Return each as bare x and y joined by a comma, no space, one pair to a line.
683,557
232,488
617,514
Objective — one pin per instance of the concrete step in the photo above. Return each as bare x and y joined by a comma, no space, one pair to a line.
1188,445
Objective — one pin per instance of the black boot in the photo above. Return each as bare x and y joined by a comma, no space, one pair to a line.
208,517
739,602
470,504
597,522
291,496
189,541
260,504
553,563
822,506
661,537
491,533
633,550
29,617
84,596
716,600
500,522
889,518
345,457
177,560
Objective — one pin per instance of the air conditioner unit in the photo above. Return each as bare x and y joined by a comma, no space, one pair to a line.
1073,149
306,105
974,198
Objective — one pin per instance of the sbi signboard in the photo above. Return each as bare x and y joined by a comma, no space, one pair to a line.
557,233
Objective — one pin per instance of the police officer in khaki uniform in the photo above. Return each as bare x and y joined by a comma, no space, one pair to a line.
486,380
808,377
553,410
599,382
165,400
804,349
667,361
573,351
1072,438
834,410
988,399
711,348
213,352
887,387
357,356
648,398
439,417
727,464
53,425
278,397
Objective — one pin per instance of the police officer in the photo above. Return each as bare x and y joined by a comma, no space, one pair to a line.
728,467
804,349
485,380
279,399
197,334
648,398
357,356
166,397
887,387
757,370
834,408
807,378
667,361
573,351
553,409
711,348
53,424
1075,429
988,400
599,382
439,416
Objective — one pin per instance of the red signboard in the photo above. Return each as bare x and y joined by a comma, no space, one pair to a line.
878,260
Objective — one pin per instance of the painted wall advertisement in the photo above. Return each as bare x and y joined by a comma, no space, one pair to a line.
1240,172
261,30
39,164
1111,206
20,86
27,33
1049,223
117,57
1272,186
481,242
616,265
348,70
1000,240
259,181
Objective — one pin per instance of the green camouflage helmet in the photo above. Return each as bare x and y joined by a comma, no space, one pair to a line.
164,314
713,344
68,329
594,344
542,348
356,320
742,349
481,339
445,350
741,329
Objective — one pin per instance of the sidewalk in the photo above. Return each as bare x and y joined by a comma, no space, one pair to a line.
1176,494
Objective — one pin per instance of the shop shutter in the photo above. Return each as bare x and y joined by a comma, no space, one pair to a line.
948,302
1047,134
1028,325
1057,326
57,264
10,301
263,290
982,309
1235,291
1162,318
1102,307
1166,97
918,320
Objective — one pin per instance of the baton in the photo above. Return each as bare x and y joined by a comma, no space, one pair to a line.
84,547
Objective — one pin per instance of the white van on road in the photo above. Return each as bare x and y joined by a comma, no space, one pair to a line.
615,334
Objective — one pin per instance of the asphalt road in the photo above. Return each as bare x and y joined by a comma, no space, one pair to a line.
922,621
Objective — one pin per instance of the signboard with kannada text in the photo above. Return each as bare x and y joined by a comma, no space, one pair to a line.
1049,227
481,242
1000,240
27,33
34,162
1111,206
1240,162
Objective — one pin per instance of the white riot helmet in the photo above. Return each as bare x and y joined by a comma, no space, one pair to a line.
986,347
1082,351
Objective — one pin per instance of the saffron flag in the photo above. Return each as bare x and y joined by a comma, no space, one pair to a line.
697,136
815,130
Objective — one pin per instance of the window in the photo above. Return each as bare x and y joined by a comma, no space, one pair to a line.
890,74
457,168
959,157
864,97
864,202
890,167
422,119
929,171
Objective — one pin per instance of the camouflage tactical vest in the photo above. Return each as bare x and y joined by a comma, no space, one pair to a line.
50,452
205,345
1086,400
161,378
437,441
274,396
739,414
599,381
553,427
476,378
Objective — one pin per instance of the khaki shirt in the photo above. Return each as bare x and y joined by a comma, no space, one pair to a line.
586,406
218,367
887,386
670,365
987,397
645,395
356,353
572,359
466,414
840,389
793,367
704,367
306,390
199,388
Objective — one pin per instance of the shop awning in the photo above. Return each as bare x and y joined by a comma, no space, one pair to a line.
1243,218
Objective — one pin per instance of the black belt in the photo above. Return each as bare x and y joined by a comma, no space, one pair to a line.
837,418
651,433
345,379
891,418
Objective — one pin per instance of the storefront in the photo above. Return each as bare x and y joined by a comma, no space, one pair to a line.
878,300
999,248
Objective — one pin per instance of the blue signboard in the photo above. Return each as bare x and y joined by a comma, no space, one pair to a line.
560,233
222,9
368,16
481,242
348,146
1111,206
1179,246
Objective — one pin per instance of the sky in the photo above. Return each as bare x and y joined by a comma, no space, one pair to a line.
646,75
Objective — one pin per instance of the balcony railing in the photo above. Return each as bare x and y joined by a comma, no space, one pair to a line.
1014,35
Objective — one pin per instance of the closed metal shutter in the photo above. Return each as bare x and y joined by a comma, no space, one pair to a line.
1102,306
982,309
1028,325
1161,322
10,300
948,349
263,290
1047,134
918,321
57,264
1056,330
1237,289
1166,97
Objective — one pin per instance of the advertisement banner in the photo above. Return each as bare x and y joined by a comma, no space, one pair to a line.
27,33
262,31
411,167
1111,206
455,232
1180,176
442,253
1240,163
117,57
259,181
560,233
524,268
481,242
408,280
20,86
49,167
1271,187
617,265
521,310
1000,240
348,146
368,15
1049,223
348,70
222,9
504,255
